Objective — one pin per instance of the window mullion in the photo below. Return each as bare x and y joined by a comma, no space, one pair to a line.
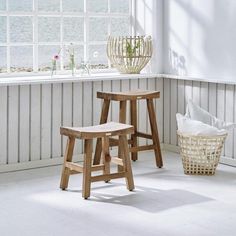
132,13
35,36
8,39
109,26
61,37
86,32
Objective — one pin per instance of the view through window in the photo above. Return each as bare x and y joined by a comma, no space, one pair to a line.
33,31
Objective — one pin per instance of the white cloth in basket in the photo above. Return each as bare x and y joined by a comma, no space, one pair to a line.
194,112
195,127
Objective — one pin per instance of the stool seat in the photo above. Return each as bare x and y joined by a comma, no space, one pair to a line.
133,97
98,131
129,95
102,132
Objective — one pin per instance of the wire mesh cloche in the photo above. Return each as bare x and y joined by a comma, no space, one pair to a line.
129,54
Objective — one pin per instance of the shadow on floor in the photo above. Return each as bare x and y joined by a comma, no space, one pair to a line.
147,199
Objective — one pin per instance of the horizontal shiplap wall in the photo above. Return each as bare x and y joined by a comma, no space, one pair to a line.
218,99
31,116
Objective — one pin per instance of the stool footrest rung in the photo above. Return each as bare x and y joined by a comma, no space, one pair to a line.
75,168
108,176
143,135
117,161
142,148
115,142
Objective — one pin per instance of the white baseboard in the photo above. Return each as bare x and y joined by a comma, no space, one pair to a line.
79,157
36,164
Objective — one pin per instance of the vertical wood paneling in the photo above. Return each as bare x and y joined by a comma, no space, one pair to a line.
13,126
24,123
204,101
167,100
67,108
78,113
196,92
3,125
221,103
188,91
173,111
35,122
87,101
56,119
234,131
181,97
142,108
31,115
159,108
46,122
229,117
212,98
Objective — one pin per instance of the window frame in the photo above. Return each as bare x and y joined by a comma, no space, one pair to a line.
35,14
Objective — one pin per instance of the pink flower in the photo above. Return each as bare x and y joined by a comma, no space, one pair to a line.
56,57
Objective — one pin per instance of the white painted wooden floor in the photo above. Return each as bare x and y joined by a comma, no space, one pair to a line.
165,202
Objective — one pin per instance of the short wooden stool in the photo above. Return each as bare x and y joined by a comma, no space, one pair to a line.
103,132
122,98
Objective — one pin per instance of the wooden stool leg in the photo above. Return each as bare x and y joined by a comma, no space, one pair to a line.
122,114
68,158
103,119
106,157
88,145
133,114
154,130
122,119
126,161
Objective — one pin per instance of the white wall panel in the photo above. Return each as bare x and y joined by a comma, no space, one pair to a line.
159,108
35,122
31,115
173,111
166,110
3,124
46,120
57,119
13,124
24,123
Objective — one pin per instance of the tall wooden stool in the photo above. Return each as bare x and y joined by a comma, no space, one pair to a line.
88,134
122,98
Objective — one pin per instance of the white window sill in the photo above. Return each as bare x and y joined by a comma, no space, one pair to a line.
46,79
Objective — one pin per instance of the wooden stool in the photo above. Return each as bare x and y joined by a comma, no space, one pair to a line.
103,132
132,96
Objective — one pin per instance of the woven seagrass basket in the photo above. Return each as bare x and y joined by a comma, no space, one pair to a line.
129,55
200,154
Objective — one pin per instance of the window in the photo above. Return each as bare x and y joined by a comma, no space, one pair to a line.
33,31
